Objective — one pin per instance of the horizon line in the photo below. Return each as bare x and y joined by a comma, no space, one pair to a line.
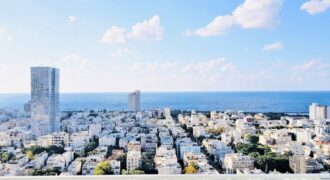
216,91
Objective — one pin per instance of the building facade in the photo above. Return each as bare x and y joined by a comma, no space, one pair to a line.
134,101
45,111
318,112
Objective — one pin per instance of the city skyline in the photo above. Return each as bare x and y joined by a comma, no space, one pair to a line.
167,46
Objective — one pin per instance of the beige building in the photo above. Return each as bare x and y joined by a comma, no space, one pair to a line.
234,162
133,160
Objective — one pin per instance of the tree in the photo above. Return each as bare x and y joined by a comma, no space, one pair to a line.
47,172
148,165
103,168
190,170
50,150
30,155
254,139
122,160
5,157
92,145
134,171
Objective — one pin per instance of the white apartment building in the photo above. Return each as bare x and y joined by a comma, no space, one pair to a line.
55,138
234,162
134,146
166,141
115,166
123,143
94,130
199,159
296,148
166,161
303,135
244,127
317,112
198,131
189,147
167,113
59,138
56,161
133,160
39,160
79,139
107,140
322,127
89,167
271,136
217,148
75,167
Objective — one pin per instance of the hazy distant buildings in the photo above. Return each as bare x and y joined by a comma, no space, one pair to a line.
134,101
45,100
27,107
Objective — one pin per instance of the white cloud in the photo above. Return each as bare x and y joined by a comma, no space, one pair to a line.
122,51
213,65
114,35
72,19
4,36
252,14
313,63
74,63
154,67
168,65
148,30
313,69
220,25
274,46
315,6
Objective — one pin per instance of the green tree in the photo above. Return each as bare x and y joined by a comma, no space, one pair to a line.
30,155
5,157
103,168
148,165
122,160
47,172
252,138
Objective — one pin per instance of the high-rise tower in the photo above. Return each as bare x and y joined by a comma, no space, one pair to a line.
134,101
45,111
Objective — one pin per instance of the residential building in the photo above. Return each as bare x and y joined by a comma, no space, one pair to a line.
303,165
133,160
115,166
75,167
107,140
234,162
134,146
166,161
317,112
198,131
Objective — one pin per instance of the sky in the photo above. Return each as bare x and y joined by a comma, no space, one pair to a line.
167,45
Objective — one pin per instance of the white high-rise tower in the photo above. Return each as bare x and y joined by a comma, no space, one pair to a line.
45,111
134,101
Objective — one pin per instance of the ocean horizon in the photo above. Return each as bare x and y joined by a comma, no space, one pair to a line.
248,101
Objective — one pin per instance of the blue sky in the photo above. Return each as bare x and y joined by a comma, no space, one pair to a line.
104,46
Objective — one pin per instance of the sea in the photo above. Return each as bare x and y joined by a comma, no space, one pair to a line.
288,102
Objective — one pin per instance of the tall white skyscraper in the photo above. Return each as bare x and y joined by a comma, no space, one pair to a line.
45,111
134,101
